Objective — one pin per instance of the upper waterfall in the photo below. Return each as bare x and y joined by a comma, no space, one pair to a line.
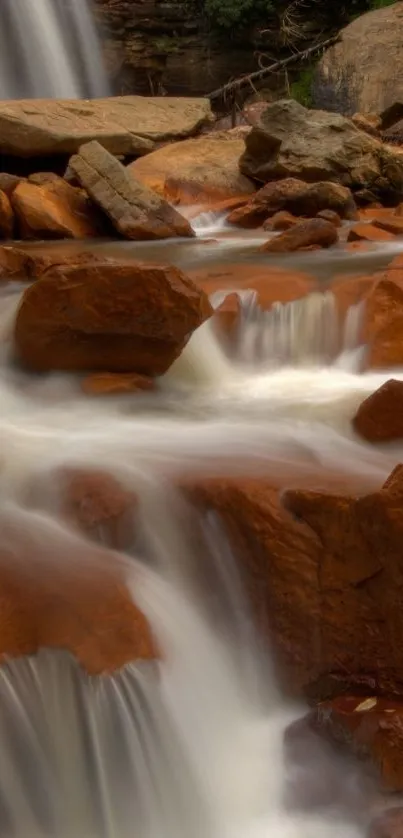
50,49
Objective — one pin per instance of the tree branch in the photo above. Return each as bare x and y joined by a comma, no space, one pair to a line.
278,65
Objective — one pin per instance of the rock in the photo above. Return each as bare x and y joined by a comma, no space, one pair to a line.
128,125
16,263
392,224
80,603
54,210
324,575
116,384
196,170
330,215
380,417
294,196
97,504
293,141
363,71
368,232
316,231
371,727
280,221
116,317
9,182
383,323
135,211
6,217
370,123
389,824
272,284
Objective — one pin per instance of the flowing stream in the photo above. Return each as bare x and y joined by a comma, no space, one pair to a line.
193,744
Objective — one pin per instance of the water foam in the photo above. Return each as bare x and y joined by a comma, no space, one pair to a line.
194,744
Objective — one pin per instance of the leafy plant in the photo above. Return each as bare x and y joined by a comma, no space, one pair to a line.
301,88
225,14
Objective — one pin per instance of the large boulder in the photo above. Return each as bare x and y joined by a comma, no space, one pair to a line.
135,210
295,196
363,71
115,317
54,210
197,170
291,141
324,575
380,417
128,125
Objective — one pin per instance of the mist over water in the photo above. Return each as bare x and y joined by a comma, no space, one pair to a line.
191,745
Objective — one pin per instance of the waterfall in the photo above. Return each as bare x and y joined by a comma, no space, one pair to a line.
49,49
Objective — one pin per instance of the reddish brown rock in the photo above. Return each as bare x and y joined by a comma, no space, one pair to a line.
98,504
324,574
226,316
119,317
54,210
297,197
383,322
316,231
380,417
17,263
280,221
370,123
135,211
330,215
388,825
9,182
116,384
272,284
392,224
6,217
371,727
368,232
78,602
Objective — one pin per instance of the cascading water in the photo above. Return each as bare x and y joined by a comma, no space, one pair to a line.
49,49
192,745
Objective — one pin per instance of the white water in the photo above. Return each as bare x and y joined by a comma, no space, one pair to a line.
193,745
49,49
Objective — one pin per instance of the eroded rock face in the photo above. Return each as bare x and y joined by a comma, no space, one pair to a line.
128,125
316,231
370,727
197,170
294,196
292,141
134,210
115,317
324,575
363,71
54,209
380,417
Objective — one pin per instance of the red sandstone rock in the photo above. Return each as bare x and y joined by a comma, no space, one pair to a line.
392,224
297,197
119,317
383,326
68,597
280,221
368,232
6,217
17,263
271,284
370,726
324,575
9,182
330,215
388,825
54,210
116,384
316,231
380,417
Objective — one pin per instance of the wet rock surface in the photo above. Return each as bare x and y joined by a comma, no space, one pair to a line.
115,317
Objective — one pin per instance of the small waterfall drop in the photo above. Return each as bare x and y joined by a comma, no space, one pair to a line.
50,49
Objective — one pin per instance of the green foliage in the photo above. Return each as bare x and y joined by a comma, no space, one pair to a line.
225,14
380,4
301,89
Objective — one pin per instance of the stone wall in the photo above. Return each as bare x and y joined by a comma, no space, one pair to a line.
158,47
